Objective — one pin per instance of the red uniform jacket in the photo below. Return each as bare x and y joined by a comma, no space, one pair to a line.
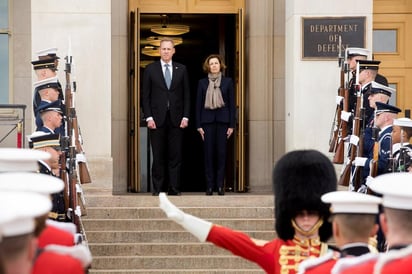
54,235
275,257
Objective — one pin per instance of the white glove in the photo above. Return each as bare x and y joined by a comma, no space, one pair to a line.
196,226
369,180
345,116
360,161
338,99
354,140
363,189
80,157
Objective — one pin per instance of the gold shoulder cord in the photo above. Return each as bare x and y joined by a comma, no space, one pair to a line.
291,256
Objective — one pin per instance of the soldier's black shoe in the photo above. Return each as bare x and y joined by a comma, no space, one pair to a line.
209,191
155,194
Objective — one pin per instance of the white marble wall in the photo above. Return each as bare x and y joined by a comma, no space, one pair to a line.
311,86
87,25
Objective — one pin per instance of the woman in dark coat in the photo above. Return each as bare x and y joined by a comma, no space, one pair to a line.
215,120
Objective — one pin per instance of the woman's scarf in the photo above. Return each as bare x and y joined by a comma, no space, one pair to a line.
214,98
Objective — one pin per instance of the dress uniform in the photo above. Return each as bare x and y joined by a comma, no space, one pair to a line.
41,184
374,88
396,189
48,83
295,193
56,122
51,258
352,206
17,224
40,140
47,59
384,140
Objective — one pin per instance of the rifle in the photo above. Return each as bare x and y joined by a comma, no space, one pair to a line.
73,204
72,134
374,164
345,175
63,172
334,138
74,129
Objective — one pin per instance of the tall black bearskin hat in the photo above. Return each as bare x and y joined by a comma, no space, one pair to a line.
300,178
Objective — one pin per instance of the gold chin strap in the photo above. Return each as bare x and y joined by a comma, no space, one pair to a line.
318,224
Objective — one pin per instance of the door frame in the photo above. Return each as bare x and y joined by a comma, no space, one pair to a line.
138,7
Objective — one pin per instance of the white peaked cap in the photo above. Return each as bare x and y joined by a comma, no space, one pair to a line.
30,182
18,210
20,159
402,122
47,83
396,189
357,52
47,51
352,202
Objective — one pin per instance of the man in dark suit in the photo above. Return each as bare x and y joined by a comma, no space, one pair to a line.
166,103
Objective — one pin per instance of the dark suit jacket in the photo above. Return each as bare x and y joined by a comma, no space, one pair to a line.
156,97
225,114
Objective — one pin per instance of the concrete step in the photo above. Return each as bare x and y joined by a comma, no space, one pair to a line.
158,236
166,225
131,234
158,249
96,198
171,262
157,213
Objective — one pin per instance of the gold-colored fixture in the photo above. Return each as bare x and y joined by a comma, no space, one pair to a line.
169,29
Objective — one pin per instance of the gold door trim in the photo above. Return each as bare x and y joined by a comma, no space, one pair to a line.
133,173
241,144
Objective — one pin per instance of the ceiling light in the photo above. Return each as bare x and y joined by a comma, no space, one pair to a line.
155,40
170,29
151,51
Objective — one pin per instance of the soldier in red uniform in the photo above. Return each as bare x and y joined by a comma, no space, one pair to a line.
353,224
299,178
396,222
17,240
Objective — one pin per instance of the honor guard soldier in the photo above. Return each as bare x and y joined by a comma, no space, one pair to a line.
14,160
384,117
377,93
46,67
301,218
396,191
352,56
402,145
44,185
50,143
48,90
353,222
17,224
51,116
51,258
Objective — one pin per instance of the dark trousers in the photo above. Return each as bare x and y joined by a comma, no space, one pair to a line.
215,153
166,144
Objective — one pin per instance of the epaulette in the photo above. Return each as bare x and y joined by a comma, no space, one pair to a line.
391,256
313,262
348,262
